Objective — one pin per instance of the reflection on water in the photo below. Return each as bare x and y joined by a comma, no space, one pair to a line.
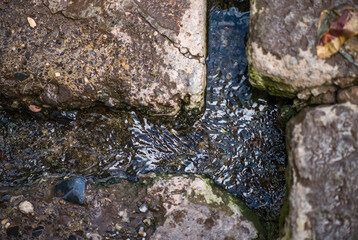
236,141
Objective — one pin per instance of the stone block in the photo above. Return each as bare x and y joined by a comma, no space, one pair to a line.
282,48
75,54
323,158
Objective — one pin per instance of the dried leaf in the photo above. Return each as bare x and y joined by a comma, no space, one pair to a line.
336,26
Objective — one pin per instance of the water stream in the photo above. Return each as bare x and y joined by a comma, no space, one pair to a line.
237,141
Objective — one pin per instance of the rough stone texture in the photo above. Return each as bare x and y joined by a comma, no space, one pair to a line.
106,209
281,49
323,159
182,207
348,95
26,207
195,211
147,54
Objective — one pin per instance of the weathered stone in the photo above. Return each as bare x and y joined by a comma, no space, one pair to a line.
26,207
323,159
195,211
348,95
72,189
324,98
147,54
282,48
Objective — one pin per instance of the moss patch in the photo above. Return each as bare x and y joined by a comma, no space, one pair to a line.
273,85
218,198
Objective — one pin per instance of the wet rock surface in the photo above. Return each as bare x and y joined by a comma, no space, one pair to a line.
110,212
195,211
282,51
237,142
115,212
323,157
72,190
74,54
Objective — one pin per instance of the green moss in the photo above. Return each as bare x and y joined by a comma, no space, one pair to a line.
273,85
216,197
226,202
286,113
164,175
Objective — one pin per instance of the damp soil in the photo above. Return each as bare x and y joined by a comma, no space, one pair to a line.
110,212
237,141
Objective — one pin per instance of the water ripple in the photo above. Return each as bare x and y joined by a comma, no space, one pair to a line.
236,141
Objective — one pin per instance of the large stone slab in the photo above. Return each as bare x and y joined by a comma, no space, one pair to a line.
142,53
282,51
323,159
194,210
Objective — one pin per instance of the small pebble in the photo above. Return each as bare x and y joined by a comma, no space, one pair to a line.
26,207
225,43
4,221
72,190
5,198
21,76
111,102
34,108
15,104
118,227
31,22
143,208
147,221
93,236
142,233
63,116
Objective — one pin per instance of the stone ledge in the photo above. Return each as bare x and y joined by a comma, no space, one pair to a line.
137,53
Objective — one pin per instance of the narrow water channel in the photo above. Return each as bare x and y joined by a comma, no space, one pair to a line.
237,141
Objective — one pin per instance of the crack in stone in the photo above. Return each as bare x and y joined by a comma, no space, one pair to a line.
180,48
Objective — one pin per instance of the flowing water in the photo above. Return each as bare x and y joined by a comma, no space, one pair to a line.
237,141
